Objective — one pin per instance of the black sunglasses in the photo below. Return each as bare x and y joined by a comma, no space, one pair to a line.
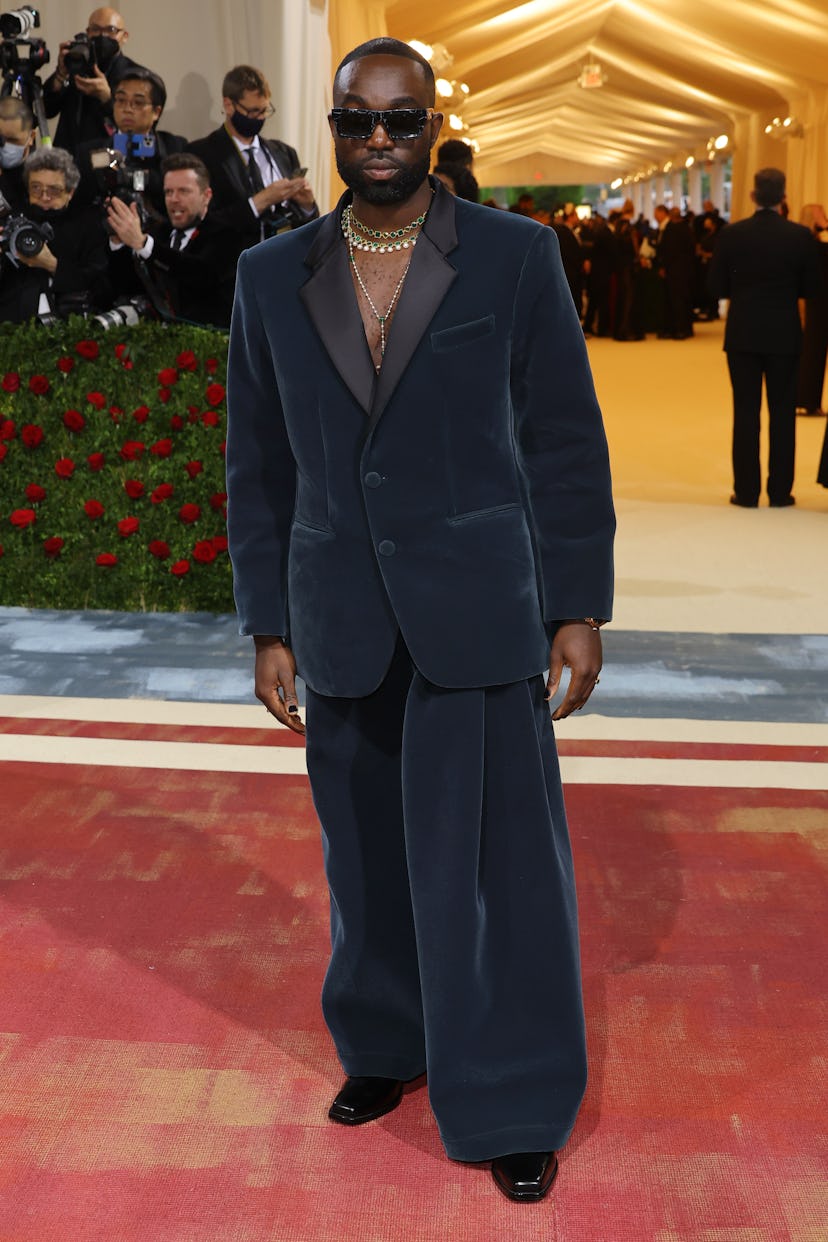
397,122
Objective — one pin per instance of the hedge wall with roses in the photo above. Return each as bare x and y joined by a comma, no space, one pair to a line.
112,467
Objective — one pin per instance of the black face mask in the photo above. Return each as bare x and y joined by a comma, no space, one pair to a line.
106,50
247,126
46,215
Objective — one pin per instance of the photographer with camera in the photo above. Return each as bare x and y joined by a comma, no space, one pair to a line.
258,185
80,90
137,104
54,258
17,136
190,260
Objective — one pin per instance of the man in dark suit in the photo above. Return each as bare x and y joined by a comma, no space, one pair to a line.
259,186
84,101
137,105
763,265
190,261
419,513
675,261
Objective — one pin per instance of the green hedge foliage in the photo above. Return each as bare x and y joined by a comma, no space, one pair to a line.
112,490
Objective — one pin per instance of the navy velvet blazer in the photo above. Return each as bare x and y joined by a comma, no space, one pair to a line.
461,496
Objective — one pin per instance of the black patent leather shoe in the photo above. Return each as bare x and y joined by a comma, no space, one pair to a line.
525,1176
742,503
365,1099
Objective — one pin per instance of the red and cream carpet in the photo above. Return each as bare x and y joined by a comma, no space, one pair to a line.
165,1072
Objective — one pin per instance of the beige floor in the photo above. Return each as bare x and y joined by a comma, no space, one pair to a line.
686,559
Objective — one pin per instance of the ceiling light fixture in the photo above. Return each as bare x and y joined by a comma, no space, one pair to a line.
789,128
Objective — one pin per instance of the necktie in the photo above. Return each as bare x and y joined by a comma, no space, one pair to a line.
254,175
177,239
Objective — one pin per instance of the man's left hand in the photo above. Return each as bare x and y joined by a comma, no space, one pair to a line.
45,260
576,646
96,86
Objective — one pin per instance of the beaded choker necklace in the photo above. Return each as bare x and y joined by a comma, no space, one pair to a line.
379,241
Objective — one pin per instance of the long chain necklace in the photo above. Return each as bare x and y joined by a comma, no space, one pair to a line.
381,319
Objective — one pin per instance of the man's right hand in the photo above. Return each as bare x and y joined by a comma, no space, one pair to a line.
275,671
281,191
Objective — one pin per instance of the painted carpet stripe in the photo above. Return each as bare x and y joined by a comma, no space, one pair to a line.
290,761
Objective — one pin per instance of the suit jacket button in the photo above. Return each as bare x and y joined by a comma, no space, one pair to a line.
372,479
387,547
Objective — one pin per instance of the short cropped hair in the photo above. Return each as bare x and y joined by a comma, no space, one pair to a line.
386,46
52,159
14,109
244,78
182,161
768,187
158,91
455,151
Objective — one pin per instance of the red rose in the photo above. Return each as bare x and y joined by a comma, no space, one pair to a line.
193,468
141,414
223,448
93,509
64,468
87,349
4,448
159,549
35,492
187,361
128,526
189,513
10,382
96,461
74,420
32,435
162,492
97,399
120,350
162,448
134,488
164,395
204,552
168,376
107,559
132,450
128,364
53,545
39,385
180,568
176,422
211,366
115,409
214,394
218,500
192,417
65,365
220,543
22,517
8,429
210,418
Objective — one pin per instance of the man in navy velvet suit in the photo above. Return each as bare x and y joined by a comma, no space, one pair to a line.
421,524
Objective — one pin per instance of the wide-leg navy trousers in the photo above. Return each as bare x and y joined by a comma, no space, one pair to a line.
453,913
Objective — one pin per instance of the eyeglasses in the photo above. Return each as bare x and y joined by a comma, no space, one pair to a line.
46,191
398,123
112,31
137,101
256,114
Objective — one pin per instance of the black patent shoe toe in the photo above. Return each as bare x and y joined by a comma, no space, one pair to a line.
525,1176
365,1099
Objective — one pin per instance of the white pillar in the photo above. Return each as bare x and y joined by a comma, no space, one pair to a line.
676,186
659,189
717,184
694,187
637,196
647,198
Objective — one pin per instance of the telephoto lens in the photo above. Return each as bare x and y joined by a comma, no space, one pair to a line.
18,23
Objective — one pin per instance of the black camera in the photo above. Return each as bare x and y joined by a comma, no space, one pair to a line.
20,56
79,57
21,238
118,178
18,23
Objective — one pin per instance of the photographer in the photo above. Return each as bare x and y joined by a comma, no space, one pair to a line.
137,104
191,261
17,135
258,185
69,271
83,99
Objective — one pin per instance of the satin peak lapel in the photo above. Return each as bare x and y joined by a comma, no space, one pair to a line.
330,301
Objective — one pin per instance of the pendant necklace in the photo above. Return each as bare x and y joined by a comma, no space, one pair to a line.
380,244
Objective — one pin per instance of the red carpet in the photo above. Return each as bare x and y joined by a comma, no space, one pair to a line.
166,1073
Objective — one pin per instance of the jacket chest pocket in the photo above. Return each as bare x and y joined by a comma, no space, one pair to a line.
462,334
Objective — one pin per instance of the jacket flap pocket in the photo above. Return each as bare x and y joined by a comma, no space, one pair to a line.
462,334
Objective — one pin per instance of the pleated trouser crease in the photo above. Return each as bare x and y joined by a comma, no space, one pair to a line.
453,912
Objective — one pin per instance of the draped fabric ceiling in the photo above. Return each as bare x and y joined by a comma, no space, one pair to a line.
678,72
